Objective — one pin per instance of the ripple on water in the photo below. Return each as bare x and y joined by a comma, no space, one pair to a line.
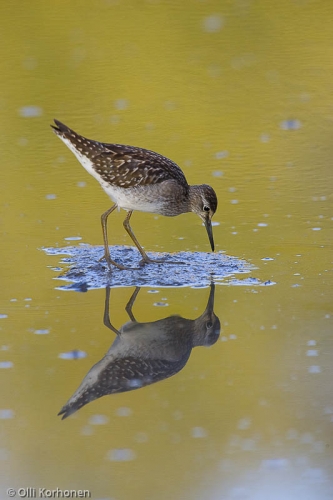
192,269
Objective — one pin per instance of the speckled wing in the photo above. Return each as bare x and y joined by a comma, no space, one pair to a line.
120,165
127,166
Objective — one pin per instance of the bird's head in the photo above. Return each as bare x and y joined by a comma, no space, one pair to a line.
203,202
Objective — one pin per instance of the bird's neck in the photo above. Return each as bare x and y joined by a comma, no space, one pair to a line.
194,197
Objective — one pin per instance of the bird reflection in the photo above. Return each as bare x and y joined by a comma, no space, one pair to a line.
144,353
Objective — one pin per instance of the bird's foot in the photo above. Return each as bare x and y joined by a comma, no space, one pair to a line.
148,260
111,262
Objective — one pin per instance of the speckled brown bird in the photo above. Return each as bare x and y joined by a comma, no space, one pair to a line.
139,179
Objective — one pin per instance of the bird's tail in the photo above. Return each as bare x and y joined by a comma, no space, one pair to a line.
78,144
62,130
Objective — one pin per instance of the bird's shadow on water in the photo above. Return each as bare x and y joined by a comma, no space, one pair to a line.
84,270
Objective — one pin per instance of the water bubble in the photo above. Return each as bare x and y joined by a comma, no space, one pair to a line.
275,464
290,124
121,455
141,437
30,111
199,432
213,23
42,331
170,105
87,430
265,138
221,154
6,364
74,354
314,369
244,423
123,411
121,104
312,352
98,420
6,414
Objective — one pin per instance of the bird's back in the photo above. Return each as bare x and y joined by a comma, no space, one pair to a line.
120,165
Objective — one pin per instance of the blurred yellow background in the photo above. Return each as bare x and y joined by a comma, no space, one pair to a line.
239,94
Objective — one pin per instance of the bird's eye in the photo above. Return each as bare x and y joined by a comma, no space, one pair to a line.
209,325
206,208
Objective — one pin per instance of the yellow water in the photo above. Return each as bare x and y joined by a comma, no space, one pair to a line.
239,94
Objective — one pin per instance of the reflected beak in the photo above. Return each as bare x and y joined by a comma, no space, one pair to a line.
209,228
210,304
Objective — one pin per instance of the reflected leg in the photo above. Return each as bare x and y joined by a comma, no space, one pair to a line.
130,304
106,317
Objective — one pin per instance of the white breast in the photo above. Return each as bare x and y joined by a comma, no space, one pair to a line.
140,198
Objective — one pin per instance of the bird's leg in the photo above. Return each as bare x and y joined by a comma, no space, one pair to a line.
106,255
130,304
145,258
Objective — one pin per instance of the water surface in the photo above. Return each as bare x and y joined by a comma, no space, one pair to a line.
239,94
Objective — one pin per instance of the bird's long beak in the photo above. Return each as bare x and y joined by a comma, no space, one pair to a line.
209,228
